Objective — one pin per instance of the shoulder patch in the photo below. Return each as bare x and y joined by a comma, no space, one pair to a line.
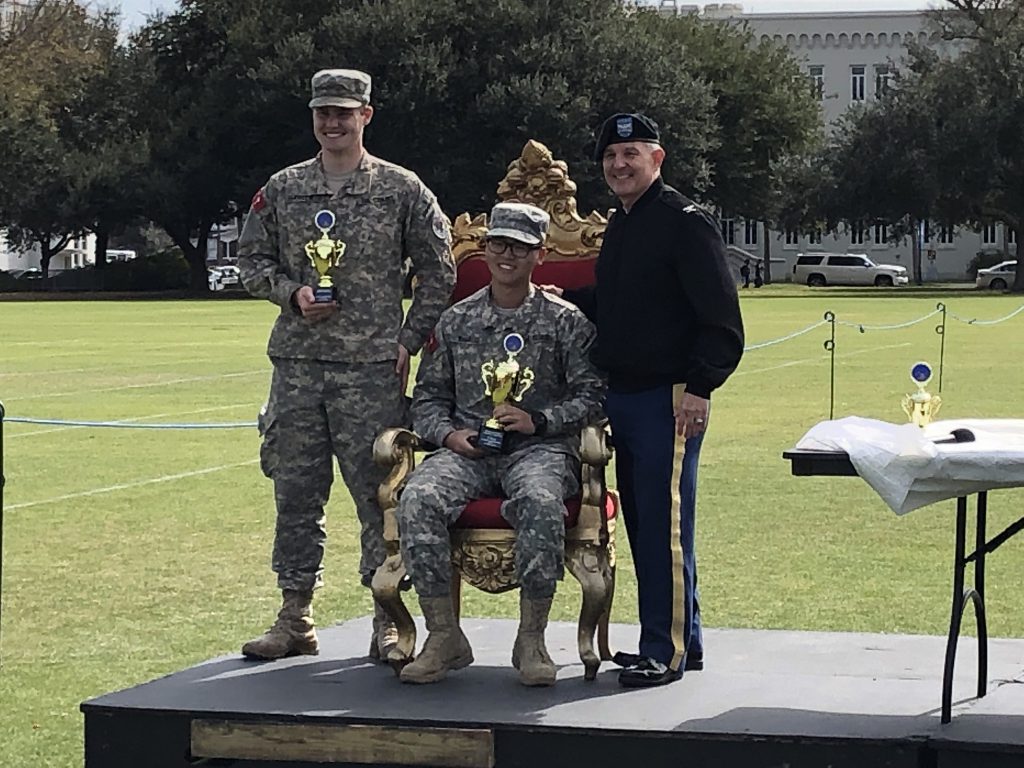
432,344
259,201
440,226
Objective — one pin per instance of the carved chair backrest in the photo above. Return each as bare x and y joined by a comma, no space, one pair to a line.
573,242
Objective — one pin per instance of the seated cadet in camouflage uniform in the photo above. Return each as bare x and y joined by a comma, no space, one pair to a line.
340,364
539,466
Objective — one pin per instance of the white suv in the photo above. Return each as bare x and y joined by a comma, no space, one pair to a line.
817,269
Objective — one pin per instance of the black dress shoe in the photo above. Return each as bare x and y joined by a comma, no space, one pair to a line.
694,661
648,673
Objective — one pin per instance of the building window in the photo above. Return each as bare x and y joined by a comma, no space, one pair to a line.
1011,235
946,234
792,237
988,234
883,79
857,83
750,233
857,233
817,75
814,238
881,234
728,230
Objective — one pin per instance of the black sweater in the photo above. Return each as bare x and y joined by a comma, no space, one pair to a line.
665,303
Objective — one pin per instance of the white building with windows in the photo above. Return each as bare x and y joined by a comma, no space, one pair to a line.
79,252
850,57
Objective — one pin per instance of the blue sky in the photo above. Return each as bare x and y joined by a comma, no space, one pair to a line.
136,11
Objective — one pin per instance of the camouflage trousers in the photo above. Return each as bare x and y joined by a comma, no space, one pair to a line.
535,480
317,412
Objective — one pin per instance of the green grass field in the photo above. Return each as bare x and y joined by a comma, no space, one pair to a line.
133,553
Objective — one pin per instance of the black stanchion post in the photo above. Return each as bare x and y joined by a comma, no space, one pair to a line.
941,330
830,345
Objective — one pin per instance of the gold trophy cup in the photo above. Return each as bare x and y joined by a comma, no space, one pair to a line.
324,254
503,381
921,406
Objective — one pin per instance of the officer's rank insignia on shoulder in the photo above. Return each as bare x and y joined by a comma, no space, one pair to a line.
259,200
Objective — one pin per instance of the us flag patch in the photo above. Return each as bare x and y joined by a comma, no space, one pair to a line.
259,201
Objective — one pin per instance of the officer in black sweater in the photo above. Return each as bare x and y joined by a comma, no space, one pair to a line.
669,332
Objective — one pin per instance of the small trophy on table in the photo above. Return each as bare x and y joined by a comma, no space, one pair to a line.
503,381
324,254
921,406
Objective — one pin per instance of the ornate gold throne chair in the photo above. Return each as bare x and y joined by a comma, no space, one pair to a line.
482,541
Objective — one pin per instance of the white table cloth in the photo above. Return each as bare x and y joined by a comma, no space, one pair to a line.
908,470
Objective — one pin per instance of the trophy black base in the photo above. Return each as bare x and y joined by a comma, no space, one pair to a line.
490,438
324,294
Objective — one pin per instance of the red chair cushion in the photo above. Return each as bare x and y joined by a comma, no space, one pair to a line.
474,275
486,513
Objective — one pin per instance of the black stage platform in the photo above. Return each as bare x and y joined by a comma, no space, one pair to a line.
766,699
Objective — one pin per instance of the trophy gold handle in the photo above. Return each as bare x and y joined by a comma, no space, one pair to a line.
487,374
525,381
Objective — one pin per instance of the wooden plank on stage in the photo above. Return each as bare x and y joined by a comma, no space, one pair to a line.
365,744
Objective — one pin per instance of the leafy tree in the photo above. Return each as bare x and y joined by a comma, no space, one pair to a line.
219,111
977,102
48,51
459,86
106,151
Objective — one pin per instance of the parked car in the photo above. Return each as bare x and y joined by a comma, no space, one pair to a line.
31,273
999,277
818,269
221,277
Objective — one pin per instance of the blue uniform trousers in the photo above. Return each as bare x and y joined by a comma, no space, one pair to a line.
657,482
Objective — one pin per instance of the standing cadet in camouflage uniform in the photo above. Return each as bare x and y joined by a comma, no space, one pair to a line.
340,366
539,467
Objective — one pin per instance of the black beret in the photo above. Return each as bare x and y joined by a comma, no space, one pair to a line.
622,128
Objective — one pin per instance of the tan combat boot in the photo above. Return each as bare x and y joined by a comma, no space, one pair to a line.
529,655
446,647
385,634
292,634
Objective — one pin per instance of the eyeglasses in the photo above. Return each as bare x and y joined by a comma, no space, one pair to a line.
499,247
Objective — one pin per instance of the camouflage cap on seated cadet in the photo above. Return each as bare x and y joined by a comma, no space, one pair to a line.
346,88
623,128
519,221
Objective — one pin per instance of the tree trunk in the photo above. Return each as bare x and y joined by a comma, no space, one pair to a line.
45,254
47,250
195,254
916,252
767,253
102,240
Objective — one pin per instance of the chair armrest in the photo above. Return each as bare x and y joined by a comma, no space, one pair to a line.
595,453
395,450
394,445
595,445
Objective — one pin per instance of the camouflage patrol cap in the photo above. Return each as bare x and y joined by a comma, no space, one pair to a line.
347,88
519,221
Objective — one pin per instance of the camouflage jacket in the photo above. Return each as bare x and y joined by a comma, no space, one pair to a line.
567,388
384,215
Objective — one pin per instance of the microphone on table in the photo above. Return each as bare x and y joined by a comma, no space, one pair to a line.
958,436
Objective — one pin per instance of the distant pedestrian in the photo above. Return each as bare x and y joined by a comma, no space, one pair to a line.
745,273
758,279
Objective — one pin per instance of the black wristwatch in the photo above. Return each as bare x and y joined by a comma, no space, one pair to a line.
540,423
